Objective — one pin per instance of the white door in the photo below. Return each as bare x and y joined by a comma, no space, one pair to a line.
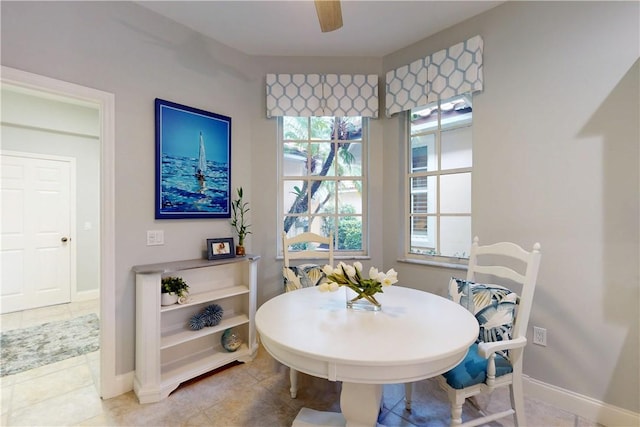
35,246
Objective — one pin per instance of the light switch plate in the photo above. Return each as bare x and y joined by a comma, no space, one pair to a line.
155,237
539,336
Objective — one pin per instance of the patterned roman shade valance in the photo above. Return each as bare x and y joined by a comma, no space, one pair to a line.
441,75
322,95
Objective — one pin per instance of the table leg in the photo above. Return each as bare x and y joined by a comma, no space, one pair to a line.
360,404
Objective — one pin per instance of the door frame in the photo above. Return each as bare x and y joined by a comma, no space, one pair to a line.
72,207
110,384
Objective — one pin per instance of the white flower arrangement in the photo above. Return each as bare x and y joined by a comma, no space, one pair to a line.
351,277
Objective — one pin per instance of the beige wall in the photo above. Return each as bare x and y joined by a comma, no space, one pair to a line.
556,160
556,157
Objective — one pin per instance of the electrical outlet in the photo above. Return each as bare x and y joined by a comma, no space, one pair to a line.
539,336
155,237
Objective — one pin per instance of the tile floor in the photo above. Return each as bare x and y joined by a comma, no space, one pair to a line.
253,394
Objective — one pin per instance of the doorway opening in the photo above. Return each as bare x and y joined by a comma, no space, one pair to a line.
104,103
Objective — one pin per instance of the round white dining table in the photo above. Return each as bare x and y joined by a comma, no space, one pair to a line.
416,335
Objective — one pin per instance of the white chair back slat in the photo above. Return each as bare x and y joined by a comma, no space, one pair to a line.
496,271
307,237
507,249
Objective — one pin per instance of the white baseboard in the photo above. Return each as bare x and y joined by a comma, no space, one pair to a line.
121,384
86,295
584,406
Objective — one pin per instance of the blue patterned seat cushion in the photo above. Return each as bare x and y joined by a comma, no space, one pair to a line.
302,276
473,369
493,305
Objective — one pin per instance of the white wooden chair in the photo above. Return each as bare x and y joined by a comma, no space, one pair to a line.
496,359
314,248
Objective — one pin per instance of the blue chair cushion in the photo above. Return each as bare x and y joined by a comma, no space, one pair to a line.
493,305
473,369
302,276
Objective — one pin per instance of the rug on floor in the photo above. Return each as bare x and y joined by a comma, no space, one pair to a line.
29,348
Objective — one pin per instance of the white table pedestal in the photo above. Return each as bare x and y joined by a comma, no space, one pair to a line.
360,404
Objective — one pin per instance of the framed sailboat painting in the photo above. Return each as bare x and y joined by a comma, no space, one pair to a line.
193,162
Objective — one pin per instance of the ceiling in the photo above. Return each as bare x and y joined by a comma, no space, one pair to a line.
290,28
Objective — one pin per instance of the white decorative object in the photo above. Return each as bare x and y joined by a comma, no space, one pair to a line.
168,352
168,298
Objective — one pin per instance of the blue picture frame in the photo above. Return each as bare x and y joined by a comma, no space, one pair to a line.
193,162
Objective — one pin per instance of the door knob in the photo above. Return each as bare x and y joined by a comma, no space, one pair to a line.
64,239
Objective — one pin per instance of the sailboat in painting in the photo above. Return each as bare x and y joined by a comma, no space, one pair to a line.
201,169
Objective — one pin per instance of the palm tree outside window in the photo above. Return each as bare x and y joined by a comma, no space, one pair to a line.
322,183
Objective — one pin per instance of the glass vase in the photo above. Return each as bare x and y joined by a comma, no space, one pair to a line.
360,302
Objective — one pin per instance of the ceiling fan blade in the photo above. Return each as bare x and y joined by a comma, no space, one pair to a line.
329,14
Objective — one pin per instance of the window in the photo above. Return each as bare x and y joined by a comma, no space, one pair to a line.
322,184
439,179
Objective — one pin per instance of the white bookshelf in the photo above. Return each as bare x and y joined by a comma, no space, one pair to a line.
168,352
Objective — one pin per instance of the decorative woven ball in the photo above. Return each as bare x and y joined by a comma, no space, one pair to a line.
212,314
197,322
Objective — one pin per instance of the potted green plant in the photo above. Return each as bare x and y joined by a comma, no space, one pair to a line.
172,289
239,209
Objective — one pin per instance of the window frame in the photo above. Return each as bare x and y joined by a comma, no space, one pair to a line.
364,141
438,173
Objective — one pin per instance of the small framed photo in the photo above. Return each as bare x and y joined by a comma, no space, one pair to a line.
220,248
